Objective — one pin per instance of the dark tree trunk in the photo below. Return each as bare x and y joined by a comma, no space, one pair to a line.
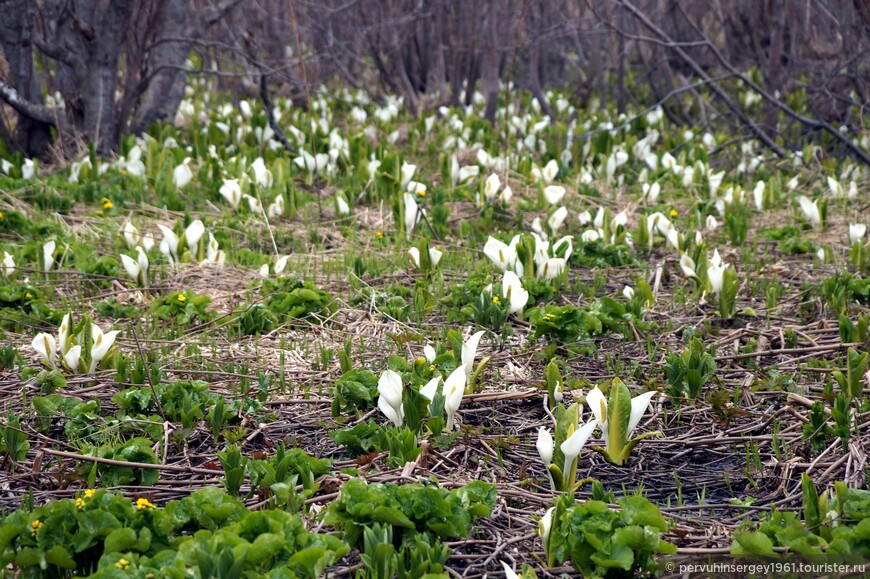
164,72
32,137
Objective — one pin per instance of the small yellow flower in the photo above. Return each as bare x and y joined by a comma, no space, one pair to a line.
90,492
549,317
496,300
419,361
421,192
379,234
182,298
1,216
122,564
674,213
28,295
80,503
144,505
107,204
432,367
34,526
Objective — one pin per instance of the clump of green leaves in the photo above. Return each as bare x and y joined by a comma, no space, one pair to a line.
409,509
601,542
838,524
688,372
182,307
208,533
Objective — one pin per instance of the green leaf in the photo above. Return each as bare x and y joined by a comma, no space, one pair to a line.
392,516
120,540
618,417
751,543
637,510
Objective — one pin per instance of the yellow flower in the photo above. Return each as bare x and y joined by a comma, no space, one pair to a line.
90,492
421,192
28,295
432,367
107,204
144,504
122,564
1,216
495,299
674,213
379,234
80,503
34,526
419,361
549,317
182,298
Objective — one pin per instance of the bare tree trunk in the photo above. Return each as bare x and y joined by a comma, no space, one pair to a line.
32,137
165,75
490,63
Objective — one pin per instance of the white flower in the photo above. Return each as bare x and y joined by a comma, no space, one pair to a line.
673,238
835,187
716,275
416,188
253,204
169,243
575,442
508,572
63,337
374,165
501,254
545,446
431,386
598,405
758,194
390,399
792,183
469,351
280,265
137,269
711,223
72,358
552,268
231,190
407,171
410,214
821,254
28,169
557,219
856,233
585,218
182,175
551,169
810,210
147,241
652,191
341,206
429,353
628,292
513,291
276,208
101,344
687,264
715,181
8,265
545,525
454,390
554,193
48,254
491,187
466,173
264,270
131,235
506,194
193,234
262,175
46,346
